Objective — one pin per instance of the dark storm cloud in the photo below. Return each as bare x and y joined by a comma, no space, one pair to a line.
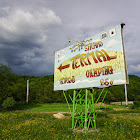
23,38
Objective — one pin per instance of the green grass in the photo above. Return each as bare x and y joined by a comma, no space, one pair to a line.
58,107
114,122
38,126
44,107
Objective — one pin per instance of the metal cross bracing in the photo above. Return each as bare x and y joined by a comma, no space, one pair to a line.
83,110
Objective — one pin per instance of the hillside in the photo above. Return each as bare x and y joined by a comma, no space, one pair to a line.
41,89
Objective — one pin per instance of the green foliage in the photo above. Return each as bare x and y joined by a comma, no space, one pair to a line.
137,98
118,92
133,87
136,103
41,89
109,97
8,103
7,79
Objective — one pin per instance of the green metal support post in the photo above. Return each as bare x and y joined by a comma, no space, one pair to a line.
73,112
93,106
67,101
83,110
86,111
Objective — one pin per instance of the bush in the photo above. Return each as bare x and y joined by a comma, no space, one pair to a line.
132,106
136,103
137,98
8,103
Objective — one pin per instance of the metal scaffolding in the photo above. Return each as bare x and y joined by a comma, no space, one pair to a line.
83,110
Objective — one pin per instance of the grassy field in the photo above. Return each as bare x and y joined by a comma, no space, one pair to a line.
58,107
114,122
44,107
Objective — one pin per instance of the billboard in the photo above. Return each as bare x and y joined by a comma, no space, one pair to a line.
97,61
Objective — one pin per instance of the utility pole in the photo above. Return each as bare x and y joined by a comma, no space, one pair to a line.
126,100
27,97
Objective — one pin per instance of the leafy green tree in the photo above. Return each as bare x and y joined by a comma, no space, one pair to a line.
7,78
109,97
118,93
133,87
41,89
8,103
18,90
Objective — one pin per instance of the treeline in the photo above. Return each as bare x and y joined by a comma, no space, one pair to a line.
13,89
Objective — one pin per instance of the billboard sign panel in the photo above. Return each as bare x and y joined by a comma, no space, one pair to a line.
97,61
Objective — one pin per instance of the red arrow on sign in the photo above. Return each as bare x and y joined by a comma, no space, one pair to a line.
63,67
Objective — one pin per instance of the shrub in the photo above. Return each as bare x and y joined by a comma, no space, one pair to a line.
136,103
8,103
137,98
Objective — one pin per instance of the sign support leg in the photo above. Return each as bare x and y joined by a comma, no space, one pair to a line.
83,110
73,113
86,110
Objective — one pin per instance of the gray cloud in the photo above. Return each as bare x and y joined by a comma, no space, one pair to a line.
23,38
31,30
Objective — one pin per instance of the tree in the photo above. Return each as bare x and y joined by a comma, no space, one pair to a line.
8,103
7,78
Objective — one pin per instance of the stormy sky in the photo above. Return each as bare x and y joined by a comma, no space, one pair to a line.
32,30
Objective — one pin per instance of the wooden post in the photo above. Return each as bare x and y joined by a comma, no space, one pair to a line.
27,97
126,73
127,81
126,100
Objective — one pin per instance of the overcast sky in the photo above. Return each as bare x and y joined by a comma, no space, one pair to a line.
32,30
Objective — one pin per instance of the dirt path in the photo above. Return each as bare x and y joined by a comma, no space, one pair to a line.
42,111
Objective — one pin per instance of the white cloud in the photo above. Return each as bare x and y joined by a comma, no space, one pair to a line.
19,24
112,43
5,9
134,68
